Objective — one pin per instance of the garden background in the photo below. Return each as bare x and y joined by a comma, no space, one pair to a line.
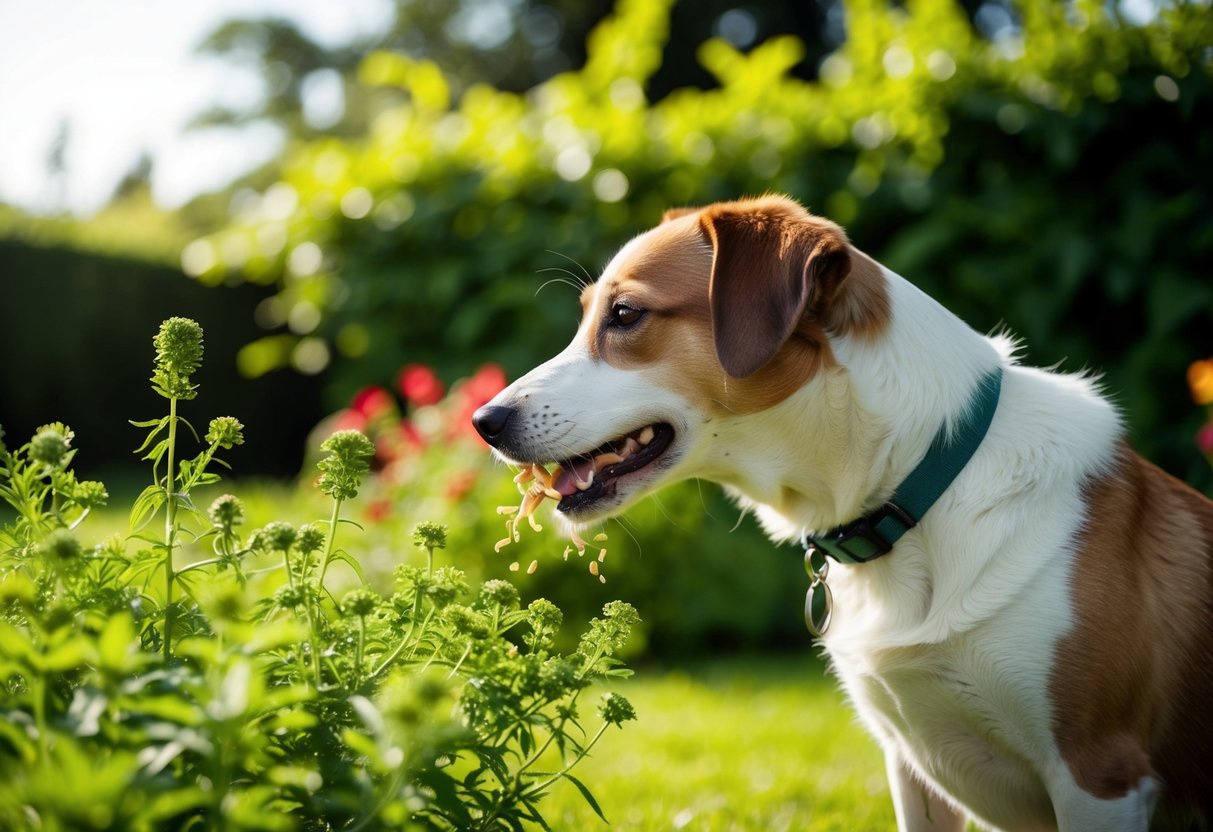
1039,167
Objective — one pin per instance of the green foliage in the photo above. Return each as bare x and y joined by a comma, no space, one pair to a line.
1013,177
238,694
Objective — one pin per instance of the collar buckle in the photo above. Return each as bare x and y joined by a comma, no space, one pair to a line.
867,538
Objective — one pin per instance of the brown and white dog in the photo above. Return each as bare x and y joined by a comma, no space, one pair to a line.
1037,653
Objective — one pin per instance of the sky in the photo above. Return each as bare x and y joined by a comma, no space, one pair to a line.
124,77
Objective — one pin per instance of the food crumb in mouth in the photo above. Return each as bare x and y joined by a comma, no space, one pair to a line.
534,482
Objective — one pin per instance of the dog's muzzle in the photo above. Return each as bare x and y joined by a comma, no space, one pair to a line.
491,422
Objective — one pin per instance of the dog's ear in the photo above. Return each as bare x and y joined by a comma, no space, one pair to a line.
675,213
772,262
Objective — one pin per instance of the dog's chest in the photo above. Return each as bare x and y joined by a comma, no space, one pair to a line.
970,714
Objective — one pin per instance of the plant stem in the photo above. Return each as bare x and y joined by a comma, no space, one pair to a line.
313,616
328,549
170,528
539,787
361,647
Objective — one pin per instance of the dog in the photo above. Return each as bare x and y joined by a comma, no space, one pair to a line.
1032,644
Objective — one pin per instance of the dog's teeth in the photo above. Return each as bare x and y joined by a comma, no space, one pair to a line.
630,446
589,480
603,460
646,435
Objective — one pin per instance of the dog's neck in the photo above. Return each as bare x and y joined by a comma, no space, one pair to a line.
850,436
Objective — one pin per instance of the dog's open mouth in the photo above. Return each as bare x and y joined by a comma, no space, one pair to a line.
587,478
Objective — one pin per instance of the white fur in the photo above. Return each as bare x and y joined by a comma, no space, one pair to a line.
943,646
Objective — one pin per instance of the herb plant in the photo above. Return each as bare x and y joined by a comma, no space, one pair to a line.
209,678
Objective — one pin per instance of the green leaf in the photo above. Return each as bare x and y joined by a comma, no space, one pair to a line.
114,646
169,708
146,505
16,645
589,798
345,556
151,434
275,635
360,744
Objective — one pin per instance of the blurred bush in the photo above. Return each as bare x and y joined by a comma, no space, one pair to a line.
1051,177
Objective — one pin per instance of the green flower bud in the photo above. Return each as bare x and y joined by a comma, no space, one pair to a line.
3,449
448,584
348,461
412,698
90,494
289,597
62,546
226,512
278,536
612,630
225,431
51,443
558,676
544,615
466,621
615,709
359,602
178,355
429,536
309,539
499,592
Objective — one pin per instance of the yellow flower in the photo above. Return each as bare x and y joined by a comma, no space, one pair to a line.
1200,379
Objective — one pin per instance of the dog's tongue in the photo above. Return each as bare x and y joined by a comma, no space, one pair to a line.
566,481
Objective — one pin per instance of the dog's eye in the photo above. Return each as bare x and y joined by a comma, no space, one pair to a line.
624,316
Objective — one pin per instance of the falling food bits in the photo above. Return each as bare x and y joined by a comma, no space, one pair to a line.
535,484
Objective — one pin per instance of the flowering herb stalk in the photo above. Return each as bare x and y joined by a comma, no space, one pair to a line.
178,345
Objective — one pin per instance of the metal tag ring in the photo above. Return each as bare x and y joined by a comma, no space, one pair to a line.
818,608
816,564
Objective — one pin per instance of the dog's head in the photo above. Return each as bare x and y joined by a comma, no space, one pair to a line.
695,327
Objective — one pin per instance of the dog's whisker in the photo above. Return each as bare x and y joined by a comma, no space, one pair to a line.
572,280
589,278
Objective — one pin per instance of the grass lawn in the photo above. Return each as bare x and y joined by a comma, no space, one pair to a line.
762,744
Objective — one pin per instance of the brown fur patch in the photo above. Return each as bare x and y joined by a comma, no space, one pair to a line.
1133,681
772,264
673,275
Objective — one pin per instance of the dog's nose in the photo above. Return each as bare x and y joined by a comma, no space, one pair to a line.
490,421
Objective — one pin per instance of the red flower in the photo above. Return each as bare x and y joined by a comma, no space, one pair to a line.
400,440
419,385
377,511
1204,439
373,402
349,420
459,485
487,382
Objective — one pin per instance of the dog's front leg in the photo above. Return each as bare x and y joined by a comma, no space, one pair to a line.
1078,811
918,806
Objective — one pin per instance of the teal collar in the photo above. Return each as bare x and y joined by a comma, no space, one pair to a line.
873,535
